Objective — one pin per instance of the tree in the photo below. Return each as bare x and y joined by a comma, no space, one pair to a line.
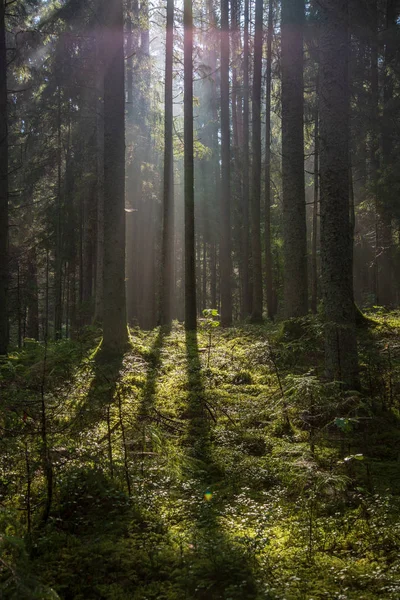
384,256
269,282
294,209
115,333
245,245
225,249
190,271
3,185
256,315
167,273
336,241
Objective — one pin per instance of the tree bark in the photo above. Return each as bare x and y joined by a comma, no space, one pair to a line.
384,258
115,333
167,273
3,186
256,315
341,360
225,225
246,295
269,281
98,311
32,301
58,308
314,243
294,209
190,267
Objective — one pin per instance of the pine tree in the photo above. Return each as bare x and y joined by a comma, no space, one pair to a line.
167,274
3,186
190,271
294,209
115,333
336,242
269,283
225,247
256,315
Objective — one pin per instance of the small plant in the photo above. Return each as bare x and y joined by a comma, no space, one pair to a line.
208,323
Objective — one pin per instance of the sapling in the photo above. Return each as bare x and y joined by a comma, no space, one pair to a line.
208,323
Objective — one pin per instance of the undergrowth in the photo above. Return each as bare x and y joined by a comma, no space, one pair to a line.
212,466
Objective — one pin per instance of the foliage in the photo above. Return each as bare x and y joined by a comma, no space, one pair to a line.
175,477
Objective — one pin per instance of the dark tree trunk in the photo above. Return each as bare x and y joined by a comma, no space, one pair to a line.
58,308
294,209
134,142
314,242
269,278
256,314
32,300
190,267
336,244
167,272
384,259
98,311
225,226
246,295
3,186
89,239
115,333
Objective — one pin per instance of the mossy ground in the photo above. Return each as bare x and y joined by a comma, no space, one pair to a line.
183,473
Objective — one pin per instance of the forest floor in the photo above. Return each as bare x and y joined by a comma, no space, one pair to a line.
215,466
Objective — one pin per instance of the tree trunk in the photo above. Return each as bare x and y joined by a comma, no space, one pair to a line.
225,225
269,281
314,243
246,295
167,272
32,327
336,246
256,315
98,311
190,268
385,294
58,230
3,186
294,208
115,333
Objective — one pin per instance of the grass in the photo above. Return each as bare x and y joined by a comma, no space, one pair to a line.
179,476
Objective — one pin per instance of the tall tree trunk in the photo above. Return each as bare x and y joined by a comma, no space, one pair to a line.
246,295
314,242
58,229
225,225
3,186
294,208
269,277
256,315
89,232
384,223
190,267
115,333
341,360
133,143
98,311
167,272
32,327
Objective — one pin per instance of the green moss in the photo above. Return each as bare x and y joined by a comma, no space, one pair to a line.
288,513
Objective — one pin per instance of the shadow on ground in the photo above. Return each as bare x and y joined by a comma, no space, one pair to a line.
215,566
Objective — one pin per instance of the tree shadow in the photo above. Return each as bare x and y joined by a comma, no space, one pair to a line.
154,363
216,566
107,373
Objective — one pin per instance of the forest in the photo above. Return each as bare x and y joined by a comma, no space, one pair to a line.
199,299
